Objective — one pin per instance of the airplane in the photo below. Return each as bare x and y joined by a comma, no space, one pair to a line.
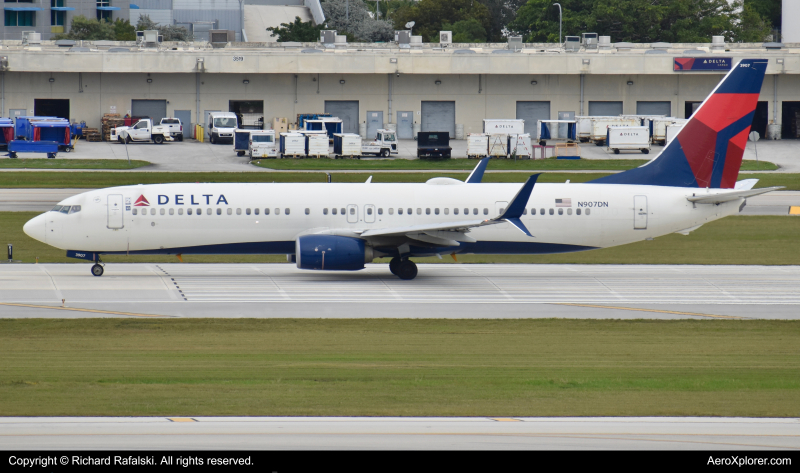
342,226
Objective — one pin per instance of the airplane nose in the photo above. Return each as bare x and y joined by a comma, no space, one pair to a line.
36,229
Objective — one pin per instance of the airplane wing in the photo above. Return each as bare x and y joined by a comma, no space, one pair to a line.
456,231
729,196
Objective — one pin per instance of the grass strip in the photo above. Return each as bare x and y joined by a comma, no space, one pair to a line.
94,180
389,367
770,240
44,163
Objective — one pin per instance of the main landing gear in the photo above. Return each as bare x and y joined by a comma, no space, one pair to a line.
403,268
97,269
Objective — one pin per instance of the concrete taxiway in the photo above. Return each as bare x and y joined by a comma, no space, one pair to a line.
448,433
440,291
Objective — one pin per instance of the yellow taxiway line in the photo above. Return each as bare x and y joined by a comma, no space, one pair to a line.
674,312
94,311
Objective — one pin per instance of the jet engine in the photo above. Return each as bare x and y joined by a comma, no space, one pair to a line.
330,252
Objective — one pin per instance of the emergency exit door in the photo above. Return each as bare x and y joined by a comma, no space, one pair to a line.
115,211
640,212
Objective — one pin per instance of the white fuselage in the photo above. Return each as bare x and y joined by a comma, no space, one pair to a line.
225,218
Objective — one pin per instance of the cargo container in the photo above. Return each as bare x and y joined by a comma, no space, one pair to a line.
7,129
316,143
659,135
302,117
549,130
241,142
347,144
498,144
520,146
23,129
600,127
508,126
293,144
672,130
583,127
628,138
330,125
477,145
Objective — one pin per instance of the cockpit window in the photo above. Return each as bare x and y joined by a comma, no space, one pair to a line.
56,208
65,209
75,209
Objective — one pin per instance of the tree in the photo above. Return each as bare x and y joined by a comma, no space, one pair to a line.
83,28
429,15
124,30
304,32
768,10
502,13
466,31
356,21
168,33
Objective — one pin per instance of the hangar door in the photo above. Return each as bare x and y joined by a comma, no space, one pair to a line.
605,109
155,109
531,112
654,108
347,110
51,108
439,116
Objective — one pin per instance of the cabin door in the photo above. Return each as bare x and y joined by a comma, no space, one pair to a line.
640,212
115,211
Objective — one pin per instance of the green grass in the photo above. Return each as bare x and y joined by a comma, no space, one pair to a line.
733,240
93,180
44,163
384,367
550,164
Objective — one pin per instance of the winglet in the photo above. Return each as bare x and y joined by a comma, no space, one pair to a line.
476,175
518,204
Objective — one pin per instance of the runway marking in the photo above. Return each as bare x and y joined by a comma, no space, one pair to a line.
96,311
505,419
674,312
181,419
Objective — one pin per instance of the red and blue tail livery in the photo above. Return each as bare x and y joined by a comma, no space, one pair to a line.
708,150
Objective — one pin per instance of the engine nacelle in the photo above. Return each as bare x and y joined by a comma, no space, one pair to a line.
330,252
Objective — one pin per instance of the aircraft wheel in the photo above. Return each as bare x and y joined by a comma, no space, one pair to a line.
393,264
407,270
97,270
616,151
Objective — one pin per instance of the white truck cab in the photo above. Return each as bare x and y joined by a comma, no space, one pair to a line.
141,131
263,145
384,144
221,126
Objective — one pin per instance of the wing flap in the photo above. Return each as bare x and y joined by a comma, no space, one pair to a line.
722,197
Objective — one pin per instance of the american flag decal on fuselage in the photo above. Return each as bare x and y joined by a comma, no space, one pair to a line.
564,202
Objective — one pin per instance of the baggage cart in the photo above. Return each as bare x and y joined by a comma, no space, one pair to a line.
316,144
550,130
628,138
241,142
293,144
520,146
498,145
347,144
477,145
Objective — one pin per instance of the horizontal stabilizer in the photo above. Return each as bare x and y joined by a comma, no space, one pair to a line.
729,196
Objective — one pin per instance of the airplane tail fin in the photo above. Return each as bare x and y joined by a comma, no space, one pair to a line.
708,151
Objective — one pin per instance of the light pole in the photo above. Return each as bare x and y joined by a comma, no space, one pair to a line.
559,22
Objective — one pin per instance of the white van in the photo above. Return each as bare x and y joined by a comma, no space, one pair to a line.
220,126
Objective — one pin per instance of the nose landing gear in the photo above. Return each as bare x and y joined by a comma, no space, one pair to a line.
403,268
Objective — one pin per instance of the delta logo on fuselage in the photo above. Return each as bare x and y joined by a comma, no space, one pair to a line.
180,199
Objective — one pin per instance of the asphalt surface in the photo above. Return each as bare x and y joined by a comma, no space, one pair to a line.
410,433
193,156
458,291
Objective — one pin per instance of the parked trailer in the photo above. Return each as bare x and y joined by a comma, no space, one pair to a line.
520,146
347,144
549,130
25,146
600,127
477,145
628,138
672,130
508,126
293,144
316,143
498,144
330,125
660,128
6,131
583,126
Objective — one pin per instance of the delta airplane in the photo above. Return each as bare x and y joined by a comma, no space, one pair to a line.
333,226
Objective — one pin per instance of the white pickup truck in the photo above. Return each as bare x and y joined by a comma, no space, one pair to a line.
175,127
141,131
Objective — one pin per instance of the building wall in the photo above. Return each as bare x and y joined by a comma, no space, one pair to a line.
790,16
487,96
87,8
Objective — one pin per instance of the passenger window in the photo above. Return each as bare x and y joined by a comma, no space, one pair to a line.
502,210
135,211
391,211
588,211
219,211
199,211
400,211
436,211
380,211
152,211
172,211
369,211
247,211
541,211
162,212
238,211
230,211
286,211
180,211
208,211
308,211
578,211
256,211
474,211
551,212
333,211
485,211
266,211
455,211
419,211
352,211
343,212
409,211
524,211
569,211
325,211
189,211
277,211
427,211
560,211
447,211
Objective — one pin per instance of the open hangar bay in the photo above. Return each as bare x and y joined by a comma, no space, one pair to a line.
441,291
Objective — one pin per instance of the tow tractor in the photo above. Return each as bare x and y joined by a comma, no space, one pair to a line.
384,144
